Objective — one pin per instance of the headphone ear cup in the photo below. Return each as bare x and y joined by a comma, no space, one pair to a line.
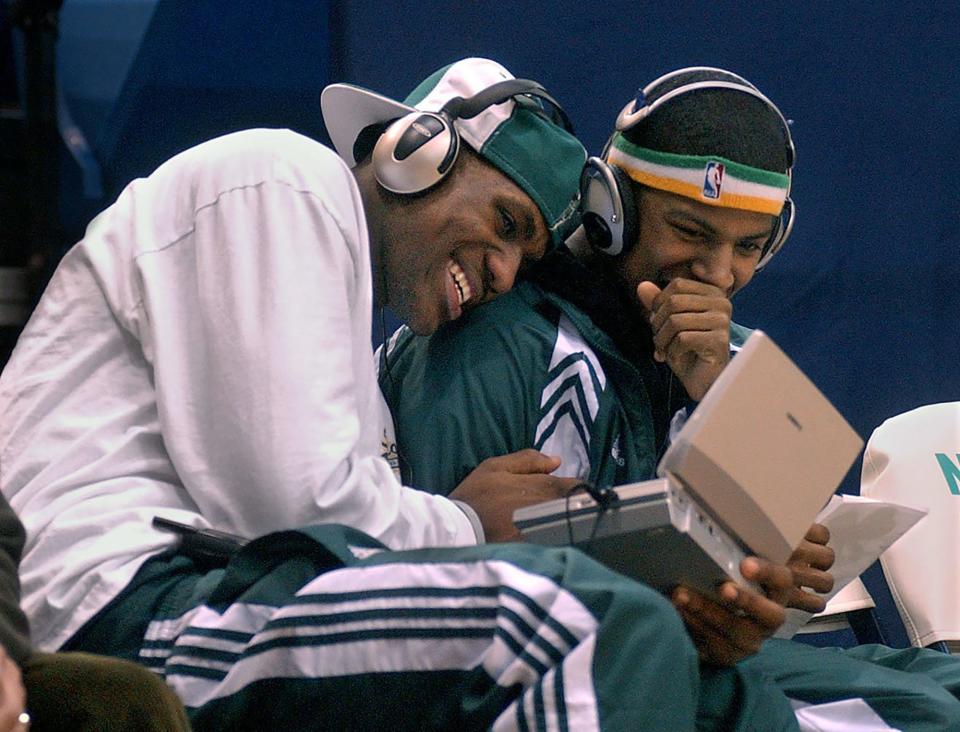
415,152
781,230
631,224
609,218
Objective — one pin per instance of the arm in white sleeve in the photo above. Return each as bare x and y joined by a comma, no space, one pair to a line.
259,332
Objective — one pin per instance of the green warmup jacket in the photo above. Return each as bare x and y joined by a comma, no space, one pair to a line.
562,365
532,369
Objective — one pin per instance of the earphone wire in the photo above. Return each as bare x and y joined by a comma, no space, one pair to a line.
606,499
662,447
385,346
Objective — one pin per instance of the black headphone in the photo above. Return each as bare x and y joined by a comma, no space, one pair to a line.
418,150
610,217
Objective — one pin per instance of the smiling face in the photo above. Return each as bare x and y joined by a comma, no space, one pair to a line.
680,237
454,247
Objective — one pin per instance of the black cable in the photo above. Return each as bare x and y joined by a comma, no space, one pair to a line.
404,466
567,514
383,344
606,499
665,440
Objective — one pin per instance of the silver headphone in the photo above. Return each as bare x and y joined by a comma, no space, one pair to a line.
418,150
609,213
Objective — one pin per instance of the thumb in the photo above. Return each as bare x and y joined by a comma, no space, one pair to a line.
527,461
647,293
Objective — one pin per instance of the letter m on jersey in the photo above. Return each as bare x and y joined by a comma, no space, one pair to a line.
951,472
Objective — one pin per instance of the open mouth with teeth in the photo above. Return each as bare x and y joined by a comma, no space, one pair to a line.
459,290
459,277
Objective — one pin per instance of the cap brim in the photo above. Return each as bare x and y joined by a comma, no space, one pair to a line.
348,109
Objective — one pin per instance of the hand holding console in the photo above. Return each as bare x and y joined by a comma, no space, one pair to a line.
745,476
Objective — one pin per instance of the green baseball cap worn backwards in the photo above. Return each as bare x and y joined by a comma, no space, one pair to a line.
538,155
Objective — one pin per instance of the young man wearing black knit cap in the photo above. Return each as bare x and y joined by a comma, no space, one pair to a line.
594,355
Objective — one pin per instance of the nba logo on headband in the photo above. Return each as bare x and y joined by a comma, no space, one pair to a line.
713,179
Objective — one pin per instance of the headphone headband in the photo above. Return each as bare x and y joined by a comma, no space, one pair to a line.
631,115
502,91
418,150
651,86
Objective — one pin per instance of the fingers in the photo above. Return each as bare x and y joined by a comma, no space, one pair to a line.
647,293
712,646
13,697
769,575
767,614
674,305
733,625
722,632
653,298
810,564
688,316
811,555
806,601
811,578
704,334
535,488
522,462
499,486
525,490
775,579
818,534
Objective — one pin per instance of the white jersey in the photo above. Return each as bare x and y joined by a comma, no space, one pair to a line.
203,354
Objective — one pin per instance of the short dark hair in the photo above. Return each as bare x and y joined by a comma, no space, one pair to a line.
714,122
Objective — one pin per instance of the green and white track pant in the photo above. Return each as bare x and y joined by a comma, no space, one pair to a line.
323,629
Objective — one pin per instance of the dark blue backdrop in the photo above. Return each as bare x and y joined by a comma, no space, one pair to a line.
864,295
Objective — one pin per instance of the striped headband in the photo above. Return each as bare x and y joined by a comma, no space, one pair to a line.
712,180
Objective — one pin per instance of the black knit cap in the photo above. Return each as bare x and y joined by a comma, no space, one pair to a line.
719,122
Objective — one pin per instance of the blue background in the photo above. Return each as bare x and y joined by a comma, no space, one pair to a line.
864,296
